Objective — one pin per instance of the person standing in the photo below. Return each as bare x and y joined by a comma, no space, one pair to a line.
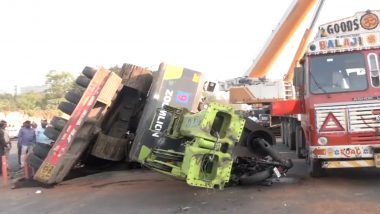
3,143
34,127
26,138
40,136
19,145
3,125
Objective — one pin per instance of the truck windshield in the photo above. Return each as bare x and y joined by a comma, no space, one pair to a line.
338,73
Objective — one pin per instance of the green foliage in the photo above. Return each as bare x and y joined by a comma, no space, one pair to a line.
44,103
30,101
7,102
58,83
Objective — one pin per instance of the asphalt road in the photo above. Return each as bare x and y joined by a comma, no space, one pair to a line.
143,191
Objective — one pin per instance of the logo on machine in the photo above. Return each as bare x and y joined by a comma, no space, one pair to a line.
182,97
331,123
369,21
161,116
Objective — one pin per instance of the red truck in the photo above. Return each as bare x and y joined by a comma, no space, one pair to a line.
329,105
338,96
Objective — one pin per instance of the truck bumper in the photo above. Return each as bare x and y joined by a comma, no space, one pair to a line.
343,151
348,164
347,156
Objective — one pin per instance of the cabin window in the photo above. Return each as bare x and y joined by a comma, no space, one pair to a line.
335,73
374,69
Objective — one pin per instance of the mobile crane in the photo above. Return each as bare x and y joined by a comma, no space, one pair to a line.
254,88
153,118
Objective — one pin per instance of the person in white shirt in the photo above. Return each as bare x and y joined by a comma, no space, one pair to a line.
40,136
252,116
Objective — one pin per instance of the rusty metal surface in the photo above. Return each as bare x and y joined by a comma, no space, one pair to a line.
136,77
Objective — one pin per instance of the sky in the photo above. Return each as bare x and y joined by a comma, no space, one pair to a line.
219,38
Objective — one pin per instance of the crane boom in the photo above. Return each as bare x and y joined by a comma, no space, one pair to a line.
303,44
290,22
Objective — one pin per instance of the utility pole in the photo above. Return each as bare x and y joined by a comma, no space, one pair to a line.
15,93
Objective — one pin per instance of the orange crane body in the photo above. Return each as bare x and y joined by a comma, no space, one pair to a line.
291,21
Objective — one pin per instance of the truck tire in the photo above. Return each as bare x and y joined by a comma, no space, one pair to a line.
73,97
58,123
67,107
283,135
34,161
292,140
51,133
89,72
83,81
300,142
41,150
315,168
290,134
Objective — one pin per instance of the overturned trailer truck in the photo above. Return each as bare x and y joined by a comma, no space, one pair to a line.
153,118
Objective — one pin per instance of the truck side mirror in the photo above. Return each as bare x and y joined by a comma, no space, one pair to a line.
210,86
298,77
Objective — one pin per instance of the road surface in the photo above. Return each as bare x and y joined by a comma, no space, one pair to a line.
144,191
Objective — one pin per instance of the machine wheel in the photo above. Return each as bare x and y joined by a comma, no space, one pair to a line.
89,72
83,81
67,107
73,97
58,123
41,150
34,161
51,133
315,168
300,142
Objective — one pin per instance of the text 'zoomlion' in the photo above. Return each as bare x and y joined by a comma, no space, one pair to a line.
162,114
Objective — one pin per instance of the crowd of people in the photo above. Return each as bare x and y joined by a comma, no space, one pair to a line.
29,134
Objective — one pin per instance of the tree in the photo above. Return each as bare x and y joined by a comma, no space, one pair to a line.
58,83
116,69
7,103
30,101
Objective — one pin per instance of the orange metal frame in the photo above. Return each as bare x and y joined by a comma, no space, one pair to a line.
293,18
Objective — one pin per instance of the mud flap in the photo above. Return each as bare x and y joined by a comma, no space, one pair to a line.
377,160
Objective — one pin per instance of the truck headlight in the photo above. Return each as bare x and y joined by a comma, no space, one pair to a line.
322,141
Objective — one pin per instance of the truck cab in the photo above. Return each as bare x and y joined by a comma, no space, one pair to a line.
339,92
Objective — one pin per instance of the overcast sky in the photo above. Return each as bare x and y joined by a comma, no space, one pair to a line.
219,38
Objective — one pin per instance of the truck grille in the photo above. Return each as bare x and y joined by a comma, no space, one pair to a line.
339,112
360,117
